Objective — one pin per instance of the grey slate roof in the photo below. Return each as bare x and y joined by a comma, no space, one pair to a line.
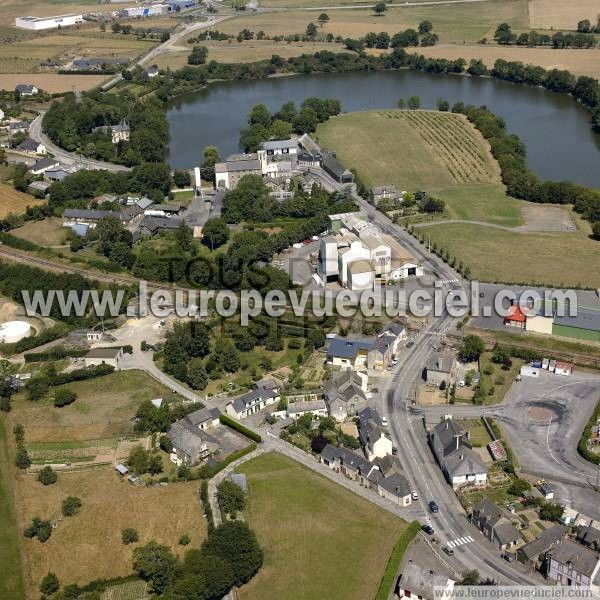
311,405
155,224
238,164
506,533
185,440
463,461
28,145
384,189
251,397
44,163
421,582
489,510
589,536
350,460
92,215
344,348
202,415
394,329
543,542
334,166
396,484
277,144
309,144
25,88
579,557
446,432
104,352
369,414
441,362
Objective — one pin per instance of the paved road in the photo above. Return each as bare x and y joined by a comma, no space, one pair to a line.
69,158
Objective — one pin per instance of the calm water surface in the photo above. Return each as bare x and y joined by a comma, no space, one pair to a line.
555,129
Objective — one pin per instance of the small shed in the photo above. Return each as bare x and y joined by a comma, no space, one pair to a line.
121,469
240,480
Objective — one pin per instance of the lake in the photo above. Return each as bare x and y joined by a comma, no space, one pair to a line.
554,127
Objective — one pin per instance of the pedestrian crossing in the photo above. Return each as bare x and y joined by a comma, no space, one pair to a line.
460,541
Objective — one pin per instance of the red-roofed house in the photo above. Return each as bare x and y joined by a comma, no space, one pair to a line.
515,317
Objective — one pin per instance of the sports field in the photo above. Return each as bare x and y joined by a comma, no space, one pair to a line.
415,150
316,535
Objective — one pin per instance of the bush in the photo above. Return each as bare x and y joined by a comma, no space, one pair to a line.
64,397
226,420
40,529
22,459
71,506
231,498
47,476
129,535
184,540
49,584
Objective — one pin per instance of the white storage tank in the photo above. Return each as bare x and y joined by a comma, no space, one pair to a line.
13,331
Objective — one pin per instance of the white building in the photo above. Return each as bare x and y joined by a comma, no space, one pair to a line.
355,251
145,11
104,356
423,584
539,324
296,410
328,266
381,253
281,147
41,23
361,275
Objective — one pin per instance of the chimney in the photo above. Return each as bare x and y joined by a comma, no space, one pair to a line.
457,441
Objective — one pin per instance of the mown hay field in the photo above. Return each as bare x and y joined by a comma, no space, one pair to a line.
12,201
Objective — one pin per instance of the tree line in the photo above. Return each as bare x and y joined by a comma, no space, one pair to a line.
505,36
422,36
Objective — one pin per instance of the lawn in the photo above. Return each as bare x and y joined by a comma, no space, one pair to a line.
415,150
493,255
320,540
12,201
458,23
495,379
48,232
477,432
103,409
11,582
88,546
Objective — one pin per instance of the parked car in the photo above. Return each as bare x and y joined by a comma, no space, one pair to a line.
507,557
384,421
414,495
433,507
410,344
428,529
448,550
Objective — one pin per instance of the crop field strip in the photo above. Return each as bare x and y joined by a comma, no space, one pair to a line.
454,146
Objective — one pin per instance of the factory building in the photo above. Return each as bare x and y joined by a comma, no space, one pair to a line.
42,23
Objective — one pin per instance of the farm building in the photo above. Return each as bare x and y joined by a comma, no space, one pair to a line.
515,317
41,23
104,356
539,324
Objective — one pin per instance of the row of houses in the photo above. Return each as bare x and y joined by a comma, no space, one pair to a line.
356,254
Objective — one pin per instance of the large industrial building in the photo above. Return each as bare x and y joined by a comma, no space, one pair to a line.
41,23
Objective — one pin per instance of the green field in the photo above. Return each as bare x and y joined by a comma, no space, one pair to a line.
557,259
320,540
11,581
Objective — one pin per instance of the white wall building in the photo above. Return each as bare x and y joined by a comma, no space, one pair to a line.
539,324
361,275
355,251
41,23
381,253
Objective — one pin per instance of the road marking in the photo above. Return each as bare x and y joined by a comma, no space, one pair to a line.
460,541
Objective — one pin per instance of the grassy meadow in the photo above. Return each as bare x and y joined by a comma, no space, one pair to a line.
12,201
316,535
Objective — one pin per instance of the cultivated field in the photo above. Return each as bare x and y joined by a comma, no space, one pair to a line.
317,3
49,232
52,82
559,259
316,535
103,410
580,62
12,201
88,546
235,52
558,14
461,23
414,150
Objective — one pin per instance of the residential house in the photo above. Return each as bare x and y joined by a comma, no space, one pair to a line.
151,226
204,418
104,356
163,210
118,133
573,565
43,164
30,146
383,192
398,332
381,352
90,217
311,154
516,317
38,188
441,367
346,394
452,449
59,172
496,524
26,89
152,71
590,537
347,353
99,63
373,438
263,394
396,489
423,584
534,553
352,465
189,447
281,148
313,407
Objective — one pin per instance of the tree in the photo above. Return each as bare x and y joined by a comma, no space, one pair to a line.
184,540
155,563
138,460
425,27
379,9
259,115
40,529
305,121
518,487
551,512
280,130
596,230
155,465
5,404
36,389
184,237
19,433
236,543
71,506
315,339
198,55
401,104
471,348
129,535
504,35
47,476
414,103
215,232
323,19
49,584
197,378
470,577
311,31
211,158
22,459
443,105
216,572
165,444
64,396
231,498
584,26
181,178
